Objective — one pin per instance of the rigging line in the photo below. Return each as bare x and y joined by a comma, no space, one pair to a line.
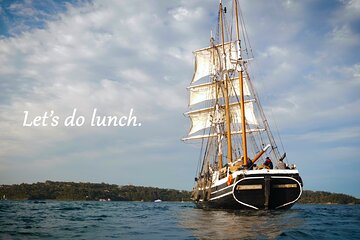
277,131
232,17
209,145
238,100
239,144
245,42
215,163
265,122
226,27
205,154
222,125
200,160
218,28
246,35
262,141
255,147
242,23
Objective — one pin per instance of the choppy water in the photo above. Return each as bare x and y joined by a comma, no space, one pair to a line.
140,220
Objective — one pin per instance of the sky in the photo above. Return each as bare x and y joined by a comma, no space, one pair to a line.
133,54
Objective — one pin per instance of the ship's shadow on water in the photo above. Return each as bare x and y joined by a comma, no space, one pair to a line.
223,224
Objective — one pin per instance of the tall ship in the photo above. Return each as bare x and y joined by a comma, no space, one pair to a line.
240,164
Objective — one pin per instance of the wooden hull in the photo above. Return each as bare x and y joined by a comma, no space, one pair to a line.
257,192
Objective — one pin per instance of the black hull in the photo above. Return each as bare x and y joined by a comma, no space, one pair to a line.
253,192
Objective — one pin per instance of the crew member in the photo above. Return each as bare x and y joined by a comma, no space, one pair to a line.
268,163
281,164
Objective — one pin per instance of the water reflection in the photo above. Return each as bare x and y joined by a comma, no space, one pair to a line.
216,224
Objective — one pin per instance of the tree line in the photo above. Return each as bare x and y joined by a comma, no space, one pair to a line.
89,191
327,197
102,191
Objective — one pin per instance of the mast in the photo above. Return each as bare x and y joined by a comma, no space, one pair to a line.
219,137
241,82
227,111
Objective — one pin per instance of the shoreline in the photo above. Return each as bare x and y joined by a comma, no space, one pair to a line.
72,191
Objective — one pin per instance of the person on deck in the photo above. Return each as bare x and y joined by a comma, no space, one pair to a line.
268,163
281,164
249,164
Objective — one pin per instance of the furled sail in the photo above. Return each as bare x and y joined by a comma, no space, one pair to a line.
204,118
210,60
207,91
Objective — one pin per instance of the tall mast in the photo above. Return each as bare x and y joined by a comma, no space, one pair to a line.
219,137
241,82
226,96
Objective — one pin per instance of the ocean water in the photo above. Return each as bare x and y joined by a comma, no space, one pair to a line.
169,220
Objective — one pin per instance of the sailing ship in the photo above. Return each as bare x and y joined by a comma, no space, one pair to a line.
241,166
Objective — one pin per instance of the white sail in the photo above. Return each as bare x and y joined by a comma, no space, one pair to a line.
204,118
207,91
201,136
249,114
210,60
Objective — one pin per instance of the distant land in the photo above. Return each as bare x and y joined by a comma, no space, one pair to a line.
72,191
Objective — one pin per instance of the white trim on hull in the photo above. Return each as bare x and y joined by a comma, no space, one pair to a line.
233,190
301,190
228,193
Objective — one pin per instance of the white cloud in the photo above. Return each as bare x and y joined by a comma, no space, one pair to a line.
180,13
102,56
333,135
344,36
324,99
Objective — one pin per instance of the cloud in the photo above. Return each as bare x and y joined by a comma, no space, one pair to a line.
342,134
21,16
97,55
